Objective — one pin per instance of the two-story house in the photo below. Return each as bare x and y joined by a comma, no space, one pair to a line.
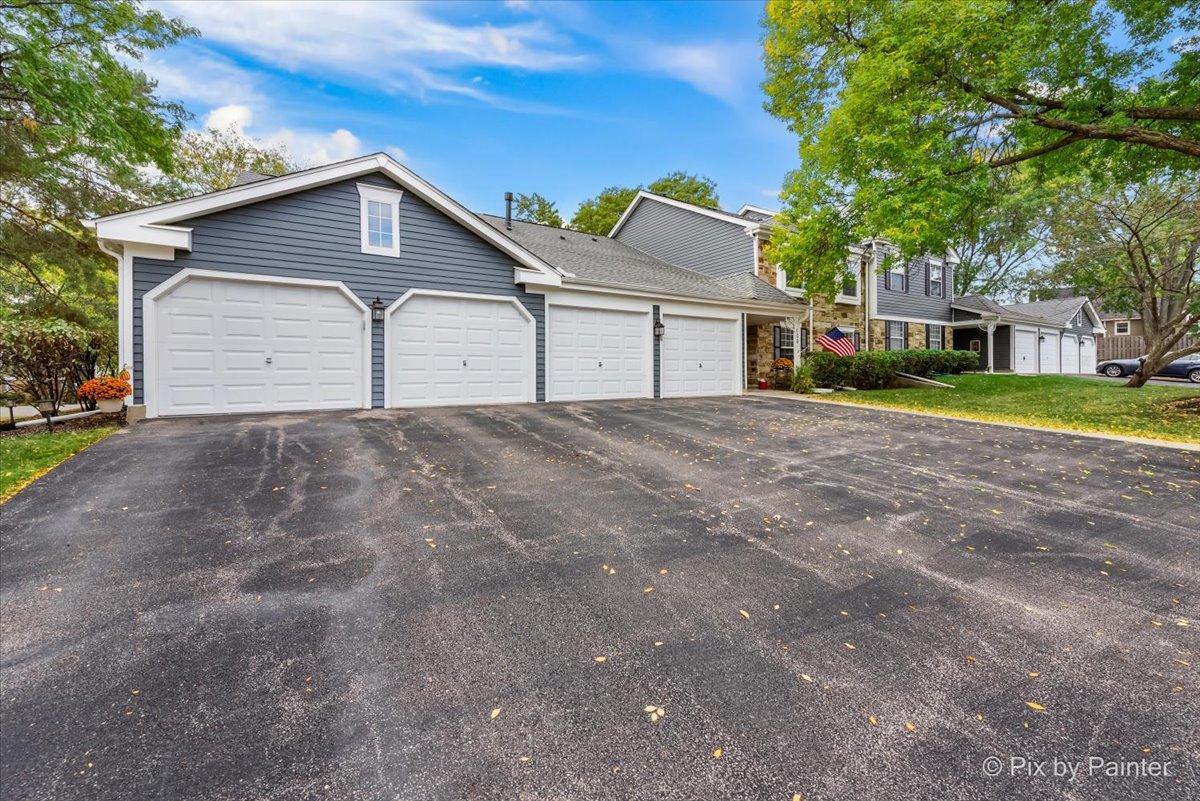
885,303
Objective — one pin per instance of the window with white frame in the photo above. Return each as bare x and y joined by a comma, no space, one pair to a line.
897,276
934,337
853,334
848,293
936,280
1121,328
380,212
897,335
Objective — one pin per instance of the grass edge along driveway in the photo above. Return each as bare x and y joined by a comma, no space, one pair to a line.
1055,401
26,458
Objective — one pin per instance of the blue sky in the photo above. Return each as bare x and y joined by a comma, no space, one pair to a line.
555,97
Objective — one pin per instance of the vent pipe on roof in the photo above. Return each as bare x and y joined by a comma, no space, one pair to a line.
508,211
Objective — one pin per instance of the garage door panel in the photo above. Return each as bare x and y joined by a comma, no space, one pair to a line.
1026,344
697,356
1070,354
233,345
446,350
598,353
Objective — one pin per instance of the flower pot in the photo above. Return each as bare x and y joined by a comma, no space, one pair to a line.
762,383
110,405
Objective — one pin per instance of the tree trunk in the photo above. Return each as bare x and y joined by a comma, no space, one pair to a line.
1139,377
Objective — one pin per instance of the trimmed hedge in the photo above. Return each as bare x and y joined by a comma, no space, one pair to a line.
877,369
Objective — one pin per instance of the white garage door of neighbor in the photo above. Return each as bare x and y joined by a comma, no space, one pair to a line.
698,356
1070,354
1048,348
225,345
1087,355
598,353
1027,352
454,351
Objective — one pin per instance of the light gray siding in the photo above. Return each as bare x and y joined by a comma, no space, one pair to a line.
914,300
689,239
315,234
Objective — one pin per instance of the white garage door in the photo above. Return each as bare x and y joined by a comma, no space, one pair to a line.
227,345
1048,352
598,353
1070,354
699,356
1087,355
451,351
1026,352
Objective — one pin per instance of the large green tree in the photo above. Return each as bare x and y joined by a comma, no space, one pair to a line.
536,209
212,159
905,109
1137,248
77,122
599,214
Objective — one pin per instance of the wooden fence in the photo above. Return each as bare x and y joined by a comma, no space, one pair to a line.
1129,347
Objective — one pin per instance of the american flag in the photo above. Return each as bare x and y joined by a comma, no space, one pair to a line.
837,342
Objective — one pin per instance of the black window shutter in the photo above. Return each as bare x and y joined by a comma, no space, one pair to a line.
906,335
775,333
928,271
907,276
887,278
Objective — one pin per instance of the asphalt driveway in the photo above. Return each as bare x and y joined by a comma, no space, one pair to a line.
829,601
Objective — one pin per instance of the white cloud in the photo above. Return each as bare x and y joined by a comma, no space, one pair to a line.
723,70
517,5
314,148
395,47
196,75
236,117
397,153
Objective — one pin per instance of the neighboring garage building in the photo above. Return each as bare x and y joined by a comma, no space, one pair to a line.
359,285
1042,337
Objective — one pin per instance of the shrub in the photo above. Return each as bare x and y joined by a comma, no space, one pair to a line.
802,379
877,369
42,355
106,388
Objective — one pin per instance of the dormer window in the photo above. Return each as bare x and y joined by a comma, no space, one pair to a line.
379,209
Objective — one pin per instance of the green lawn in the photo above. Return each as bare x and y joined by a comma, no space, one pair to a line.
23,459
1081,404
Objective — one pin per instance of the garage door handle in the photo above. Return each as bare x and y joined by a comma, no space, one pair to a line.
701,366
464,362
601,364
268,360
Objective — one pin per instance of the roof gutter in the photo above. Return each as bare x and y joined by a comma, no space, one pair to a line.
655,291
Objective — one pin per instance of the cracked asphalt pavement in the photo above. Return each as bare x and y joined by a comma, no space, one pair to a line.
483,603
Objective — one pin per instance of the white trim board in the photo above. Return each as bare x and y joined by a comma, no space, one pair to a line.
149,322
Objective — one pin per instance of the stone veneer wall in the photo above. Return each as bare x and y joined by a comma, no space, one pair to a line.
760,344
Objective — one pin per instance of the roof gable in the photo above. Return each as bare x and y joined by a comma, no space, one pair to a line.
746,224
155,225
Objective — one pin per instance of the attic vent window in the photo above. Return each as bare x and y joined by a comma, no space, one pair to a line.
379,213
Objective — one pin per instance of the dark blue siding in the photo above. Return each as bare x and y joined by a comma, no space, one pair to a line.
315,234
1001,344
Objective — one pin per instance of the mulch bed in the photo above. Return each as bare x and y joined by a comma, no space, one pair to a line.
1190,405
81,424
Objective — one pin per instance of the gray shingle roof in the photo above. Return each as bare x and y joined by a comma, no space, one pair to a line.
982,305
751,286
600,259
1058,311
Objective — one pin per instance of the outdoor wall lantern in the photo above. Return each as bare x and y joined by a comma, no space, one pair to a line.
1041,338
377,308
659,329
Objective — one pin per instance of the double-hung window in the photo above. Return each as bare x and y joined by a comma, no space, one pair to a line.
379,209
897,335
936,280
785,343
848,292
934,337
1121,328
897,276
